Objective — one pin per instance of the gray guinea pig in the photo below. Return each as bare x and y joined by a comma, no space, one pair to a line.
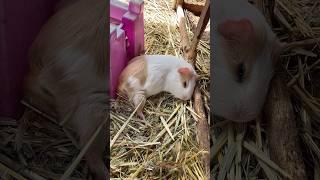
243,60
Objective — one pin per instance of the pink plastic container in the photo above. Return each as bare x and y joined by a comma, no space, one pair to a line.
126,36
20,22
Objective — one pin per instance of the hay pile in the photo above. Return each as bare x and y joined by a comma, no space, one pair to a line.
145,150
242,150
164,146
46,150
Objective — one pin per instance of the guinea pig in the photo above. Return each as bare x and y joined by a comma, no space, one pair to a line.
148,75
244,54
68,74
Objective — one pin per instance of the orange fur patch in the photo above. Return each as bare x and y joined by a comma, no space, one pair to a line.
137,68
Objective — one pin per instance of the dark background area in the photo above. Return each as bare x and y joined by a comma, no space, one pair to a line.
20,22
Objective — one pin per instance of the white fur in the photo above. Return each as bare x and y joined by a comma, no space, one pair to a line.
162,75
234,101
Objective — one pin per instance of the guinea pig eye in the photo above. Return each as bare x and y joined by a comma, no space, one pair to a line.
185,84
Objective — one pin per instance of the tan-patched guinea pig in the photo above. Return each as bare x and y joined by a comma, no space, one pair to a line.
148,75
68,74
244,54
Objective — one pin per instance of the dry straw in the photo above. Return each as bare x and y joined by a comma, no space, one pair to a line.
243,150
165,145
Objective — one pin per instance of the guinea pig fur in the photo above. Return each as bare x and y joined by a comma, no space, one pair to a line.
147,75
68,73
63,4
243,60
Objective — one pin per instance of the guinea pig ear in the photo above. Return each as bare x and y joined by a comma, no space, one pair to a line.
184,71
239,30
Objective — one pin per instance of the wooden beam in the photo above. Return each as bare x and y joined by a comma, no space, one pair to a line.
183,30
196,9
190,54
202,24
176,3
282,130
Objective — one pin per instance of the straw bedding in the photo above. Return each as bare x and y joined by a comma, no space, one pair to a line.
164,146
243,150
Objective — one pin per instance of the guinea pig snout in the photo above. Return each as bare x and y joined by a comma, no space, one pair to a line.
185,97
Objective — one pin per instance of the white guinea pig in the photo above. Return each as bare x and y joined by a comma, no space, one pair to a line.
243,60
147,75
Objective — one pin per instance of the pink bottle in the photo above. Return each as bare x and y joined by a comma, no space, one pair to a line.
126,37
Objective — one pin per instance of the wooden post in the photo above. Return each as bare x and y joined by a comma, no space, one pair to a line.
282,131
282,128
196,9
182,27
190,53
202,24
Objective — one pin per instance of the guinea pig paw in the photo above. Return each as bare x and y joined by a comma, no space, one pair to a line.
140,114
